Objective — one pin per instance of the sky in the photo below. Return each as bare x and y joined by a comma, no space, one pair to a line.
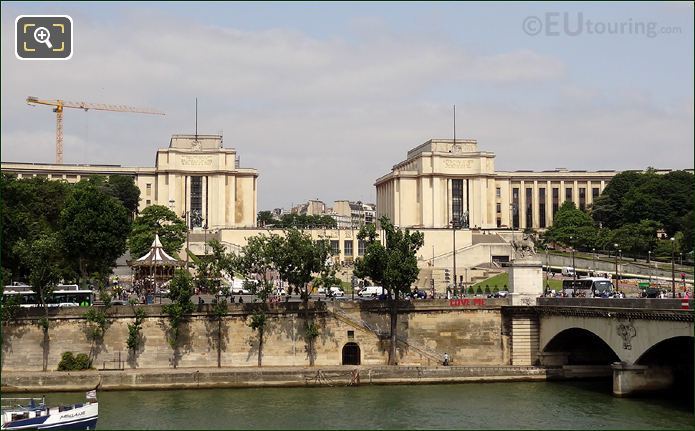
324,98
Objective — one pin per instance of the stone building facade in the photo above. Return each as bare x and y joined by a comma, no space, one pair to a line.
195,176
442,180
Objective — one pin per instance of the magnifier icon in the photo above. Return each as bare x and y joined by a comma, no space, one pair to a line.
42,35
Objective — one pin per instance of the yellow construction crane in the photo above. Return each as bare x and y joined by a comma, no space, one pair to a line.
60,104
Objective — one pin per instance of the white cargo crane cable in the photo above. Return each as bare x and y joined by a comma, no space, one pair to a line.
60,104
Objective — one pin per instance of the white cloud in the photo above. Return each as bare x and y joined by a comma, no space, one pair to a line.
319,117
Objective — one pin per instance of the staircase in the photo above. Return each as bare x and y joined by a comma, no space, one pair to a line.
431,355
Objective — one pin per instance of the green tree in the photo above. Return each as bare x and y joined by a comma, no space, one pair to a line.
393,265
257,260
156,219
631,197
30,208
265,218
687,224
42,259
569,221
94,227
218,265
180,293
300,258
636,239
123,188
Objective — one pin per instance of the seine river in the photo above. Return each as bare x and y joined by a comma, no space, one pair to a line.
541,405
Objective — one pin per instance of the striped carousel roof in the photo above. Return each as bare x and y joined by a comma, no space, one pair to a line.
156,256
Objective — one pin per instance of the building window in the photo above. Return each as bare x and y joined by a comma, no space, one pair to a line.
582,198
568,193
498,192
148,202
149,189
361,245
515,207
347,247
499,222
594,192
335,247
457,200
556,200
196,219
529,208
499,207
541,207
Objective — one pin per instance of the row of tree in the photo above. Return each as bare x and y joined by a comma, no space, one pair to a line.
575,228
84,227
631,211
300,221
299,261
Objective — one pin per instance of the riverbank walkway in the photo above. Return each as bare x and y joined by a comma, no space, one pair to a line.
250,377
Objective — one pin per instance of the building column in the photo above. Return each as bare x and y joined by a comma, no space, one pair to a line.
575,193
549,204
589,193
522,205
536,205
561,195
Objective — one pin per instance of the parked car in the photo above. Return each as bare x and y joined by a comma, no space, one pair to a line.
371,291
118,302
240,287
336,291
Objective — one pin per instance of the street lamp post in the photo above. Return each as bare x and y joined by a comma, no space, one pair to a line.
205,227
574,268
593,261
649,268
616,266
673,267
547,268
454,225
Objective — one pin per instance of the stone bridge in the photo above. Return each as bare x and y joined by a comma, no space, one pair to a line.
647,344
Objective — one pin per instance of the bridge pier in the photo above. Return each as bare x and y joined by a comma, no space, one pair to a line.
553,359
629,379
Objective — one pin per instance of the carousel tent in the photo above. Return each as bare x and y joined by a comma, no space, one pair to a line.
156,256
154,269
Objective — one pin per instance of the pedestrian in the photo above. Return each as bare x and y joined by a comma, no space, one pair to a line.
446,359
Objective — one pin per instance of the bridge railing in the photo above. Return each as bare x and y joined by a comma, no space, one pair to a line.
641,303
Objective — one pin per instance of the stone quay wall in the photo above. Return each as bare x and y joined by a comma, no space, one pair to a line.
472,332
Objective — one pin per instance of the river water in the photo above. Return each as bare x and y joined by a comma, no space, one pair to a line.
536,405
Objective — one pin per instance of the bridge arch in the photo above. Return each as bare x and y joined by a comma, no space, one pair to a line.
628,338
582,347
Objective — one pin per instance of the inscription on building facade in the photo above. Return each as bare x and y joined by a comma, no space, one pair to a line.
197,161
459,164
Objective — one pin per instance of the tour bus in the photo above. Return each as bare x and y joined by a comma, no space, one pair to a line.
588,287
63,295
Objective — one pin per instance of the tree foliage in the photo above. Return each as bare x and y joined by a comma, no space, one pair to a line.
180,293
30,208
156,219
123,188
631,197
393,265
571,222
94,227
298,221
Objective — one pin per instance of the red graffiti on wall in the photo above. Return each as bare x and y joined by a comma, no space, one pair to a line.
466,302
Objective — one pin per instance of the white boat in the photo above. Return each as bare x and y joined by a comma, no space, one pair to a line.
33,413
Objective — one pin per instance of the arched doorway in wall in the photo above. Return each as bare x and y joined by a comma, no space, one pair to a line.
351,354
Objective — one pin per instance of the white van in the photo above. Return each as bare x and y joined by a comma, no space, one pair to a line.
371,291
241,287
568,271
